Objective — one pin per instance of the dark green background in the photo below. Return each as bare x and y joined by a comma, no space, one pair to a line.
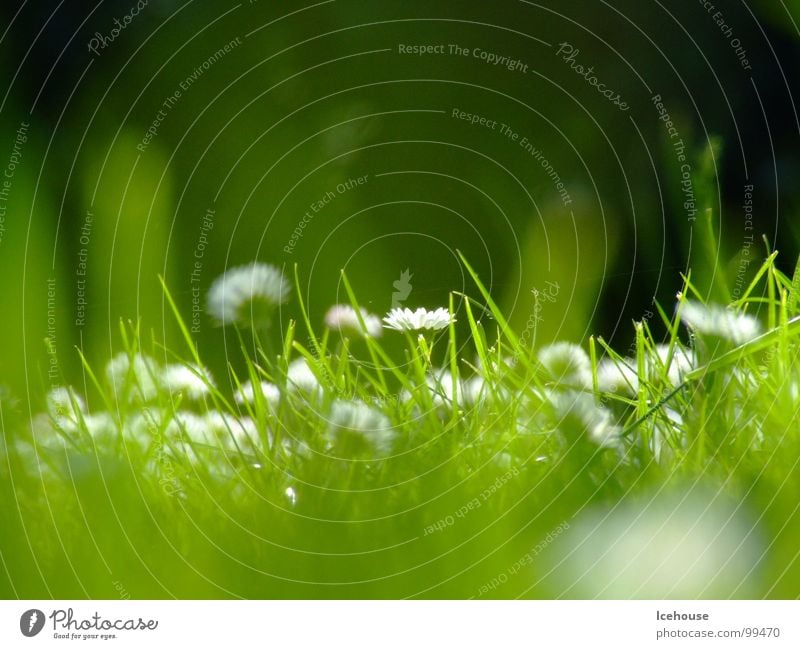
301,105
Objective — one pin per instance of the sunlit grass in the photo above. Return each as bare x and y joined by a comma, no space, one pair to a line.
336,467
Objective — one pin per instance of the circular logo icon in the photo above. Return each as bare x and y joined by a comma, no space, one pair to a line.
31,622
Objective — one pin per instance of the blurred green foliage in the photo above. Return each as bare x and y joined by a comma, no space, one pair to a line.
303,101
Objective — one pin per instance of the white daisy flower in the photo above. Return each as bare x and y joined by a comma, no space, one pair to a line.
35,457
234,432
101,426
344,318
666,423
468,393
143,427
408,320
356,429
189,425
441,386
189,437
695,545
300,378
133,381
405,396
247,394
567,363
617,376
191,380
65,405
577,411
474,391
247,294
715,320
534,416
682,362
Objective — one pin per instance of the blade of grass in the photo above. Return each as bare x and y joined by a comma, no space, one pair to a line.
745,297
495,310
370,347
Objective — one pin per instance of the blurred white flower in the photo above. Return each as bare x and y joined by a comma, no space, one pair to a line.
682,362
617,376
715,320
300,378
133,381
213,430
468,393
344,318
577,412
65,406
34,457
357,429
193,427
66,415
497,367
191,380
143,427
247,393
408,320
686,546
291,496
440,385
101,426
620,375
233,432
667,430
247,294
474,391
567,363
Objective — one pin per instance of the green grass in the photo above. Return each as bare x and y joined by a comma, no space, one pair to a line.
427,466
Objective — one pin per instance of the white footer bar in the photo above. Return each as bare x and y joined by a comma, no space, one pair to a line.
389,624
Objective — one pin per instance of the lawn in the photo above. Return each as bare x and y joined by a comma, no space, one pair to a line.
429,453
